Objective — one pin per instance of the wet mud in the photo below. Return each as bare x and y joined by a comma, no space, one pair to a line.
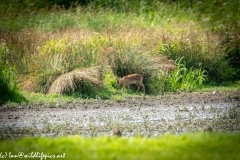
173,113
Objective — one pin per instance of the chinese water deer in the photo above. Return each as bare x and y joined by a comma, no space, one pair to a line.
116,132
132,79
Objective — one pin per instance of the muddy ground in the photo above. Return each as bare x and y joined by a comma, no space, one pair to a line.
173,113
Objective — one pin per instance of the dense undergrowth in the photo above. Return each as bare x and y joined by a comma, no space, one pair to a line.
176,46
186,146
8,85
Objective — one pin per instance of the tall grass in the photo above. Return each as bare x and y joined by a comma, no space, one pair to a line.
198,53
57,57
46,41
181,79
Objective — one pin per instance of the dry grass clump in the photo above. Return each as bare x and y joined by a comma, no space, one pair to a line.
76,81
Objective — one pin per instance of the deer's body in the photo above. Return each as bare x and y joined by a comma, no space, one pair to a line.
116,132
132,79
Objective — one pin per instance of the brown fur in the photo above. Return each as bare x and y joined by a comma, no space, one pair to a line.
116,132
132,79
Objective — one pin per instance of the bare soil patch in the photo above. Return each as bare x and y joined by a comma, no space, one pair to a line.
174,113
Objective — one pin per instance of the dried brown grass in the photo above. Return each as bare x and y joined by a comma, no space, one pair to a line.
69,82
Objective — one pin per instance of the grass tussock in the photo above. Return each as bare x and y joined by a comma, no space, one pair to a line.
77,80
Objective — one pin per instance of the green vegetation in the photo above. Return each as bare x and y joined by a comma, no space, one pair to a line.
54,44
8,90
187,146
8,84
181,79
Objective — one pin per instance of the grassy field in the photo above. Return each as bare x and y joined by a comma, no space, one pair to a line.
186,146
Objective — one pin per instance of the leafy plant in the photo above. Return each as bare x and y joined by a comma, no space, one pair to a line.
180,79
183,79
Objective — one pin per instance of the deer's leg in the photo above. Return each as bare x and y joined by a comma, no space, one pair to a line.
141,84
123,87
138,87
128,87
